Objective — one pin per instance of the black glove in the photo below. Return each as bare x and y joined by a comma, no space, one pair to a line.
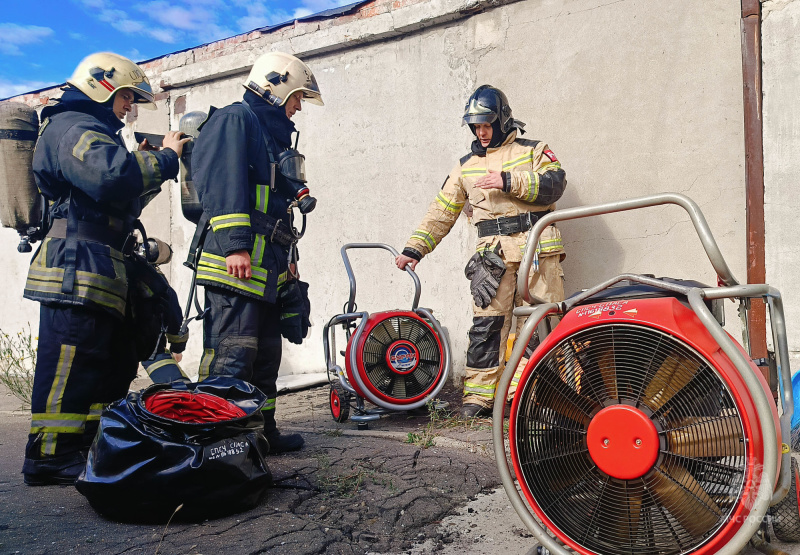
295,310
485,271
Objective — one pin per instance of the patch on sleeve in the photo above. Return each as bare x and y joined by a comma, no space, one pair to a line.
549,154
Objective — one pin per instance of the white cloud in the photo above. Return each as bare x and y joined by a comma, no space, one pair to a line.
9,88
77,36
12,36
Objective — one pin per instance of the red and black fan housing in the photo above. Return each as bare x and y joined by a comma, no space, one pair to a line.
632,433
396,359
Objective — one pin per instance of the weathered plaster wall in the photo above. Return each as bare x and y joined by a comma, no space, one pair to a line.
781,85
634,97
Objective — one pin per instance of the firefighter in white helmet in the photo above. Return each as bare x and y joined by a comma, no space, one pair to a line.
96,190
510,183
247,175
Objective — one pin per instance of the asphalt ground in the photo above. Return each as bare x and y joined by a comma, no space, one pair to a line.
412,483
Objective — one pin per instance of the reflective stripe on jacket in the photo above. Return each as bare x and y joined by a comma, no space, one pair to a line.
231,170
534,181
81,165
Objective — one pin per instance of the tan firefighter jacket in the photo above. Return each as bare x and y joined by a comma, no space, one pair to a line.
533,182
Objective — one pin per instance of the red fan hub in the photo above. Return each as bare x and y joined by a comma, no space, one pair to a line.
623,442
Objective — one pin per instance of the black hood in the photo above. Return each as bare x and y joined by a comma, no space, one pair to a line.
273,118
73,100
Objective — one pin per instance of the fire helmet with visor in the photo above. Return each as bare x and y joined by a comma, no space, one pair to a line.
489,105
99,76
276,76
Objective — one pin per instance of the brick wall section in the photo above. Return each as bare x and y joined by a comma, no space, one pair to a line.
246,41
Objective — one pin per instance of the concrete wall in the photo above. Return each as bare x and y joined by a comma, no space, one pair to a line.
781,84
634,97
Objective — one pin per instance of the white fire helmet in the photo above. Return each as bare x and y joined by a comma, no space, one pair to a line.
280,75
102,74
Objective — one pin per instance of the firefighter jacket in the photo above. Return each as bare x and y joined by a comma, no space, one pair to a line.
532,182
96,190
231,162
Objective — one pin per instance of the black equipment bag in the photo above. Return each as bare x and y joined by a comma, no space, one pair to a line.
142,466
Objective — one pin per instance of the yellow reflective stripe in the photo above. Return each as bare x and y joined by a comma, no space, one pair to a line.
269,405
533,186
218,262
148,165
515,379
283,277
425,236
174,339
63,368
450,205
160,364
80,291
525,158
229,220
220,276
262,198
550,167
205,364
111,285
52,423
85,143
95,410
550,245
474,171
487,391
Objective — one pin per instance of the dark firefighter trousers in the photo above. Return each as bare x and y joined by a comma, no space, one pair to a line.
85,361
242,339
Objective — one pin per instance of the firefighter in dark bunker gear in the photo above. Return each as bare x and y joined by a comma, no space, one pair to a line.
81,273
509,182
247,263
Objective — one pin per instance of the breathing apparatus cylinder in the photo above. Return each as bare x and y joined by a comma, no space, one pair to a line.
190,202
20,201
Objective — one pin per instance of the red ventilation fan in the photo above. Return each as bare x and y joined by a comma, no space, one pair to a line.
397,360
639,425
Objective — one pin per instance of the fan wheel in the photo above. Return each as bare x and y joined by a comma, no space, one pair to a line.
626,441
786,514
339,403
400,358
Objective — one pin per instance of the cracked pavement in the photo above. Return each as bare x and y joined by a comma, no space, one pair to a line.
346,491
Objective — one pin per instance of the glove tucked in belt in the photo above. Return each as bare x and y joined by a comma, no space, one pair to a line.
272,229
510,224
485,271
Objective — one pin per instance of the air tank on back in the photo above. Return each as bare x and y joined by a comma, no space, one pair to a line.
190,203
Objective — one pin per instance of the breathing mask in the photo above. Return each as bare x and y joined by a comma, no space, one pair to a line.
292,166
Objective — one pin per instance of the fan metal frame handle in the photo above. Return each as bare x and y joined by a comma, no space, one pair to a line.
351,303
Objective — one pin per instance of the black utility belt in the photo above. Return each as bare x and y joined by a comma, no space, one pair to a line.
87,231
510,224
274,230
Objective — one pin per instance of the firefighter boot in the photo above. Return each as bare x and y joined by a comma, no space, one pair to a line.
278,442
46,470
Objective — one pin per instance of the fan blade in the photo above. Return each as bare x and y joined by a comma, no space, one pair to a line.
672,375
683,496
707,437
622,516
562,399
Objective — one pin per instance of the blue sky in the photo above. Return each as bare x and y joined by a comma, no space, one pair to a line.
41,42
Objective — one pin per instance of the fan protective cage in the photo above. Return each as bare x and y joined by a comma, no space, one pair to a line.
626,441
399,357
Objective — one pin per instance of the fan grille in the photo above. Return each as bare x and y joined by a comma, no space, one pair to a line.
695,484
402,386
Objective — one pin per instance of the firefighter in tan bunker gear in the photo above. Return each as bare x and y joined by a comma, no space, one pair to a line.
510,183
